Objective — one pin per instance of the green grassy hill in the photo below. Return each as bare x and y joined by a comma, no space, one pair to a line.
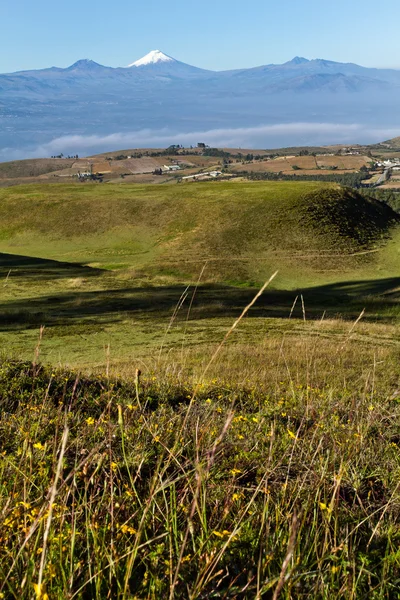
244,230
100,264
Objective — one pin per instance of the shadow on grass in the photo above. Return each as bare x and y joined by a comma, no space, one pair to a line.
380,297
15,265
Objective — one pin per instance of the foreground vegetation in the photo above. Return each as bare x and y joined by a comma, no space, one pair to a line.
170,487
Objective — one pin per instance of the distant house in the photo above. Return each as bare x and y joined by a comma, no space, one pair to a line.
171,168
388,164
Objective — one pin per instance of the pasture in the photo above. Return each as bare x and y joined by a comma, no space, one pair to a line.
167,434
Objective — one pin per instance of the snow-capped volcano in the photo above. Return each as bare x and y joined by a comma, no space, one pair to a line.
152,58
159,93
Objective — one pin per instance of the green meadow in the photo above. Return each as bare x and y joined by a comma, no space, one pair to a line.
107,265
168,432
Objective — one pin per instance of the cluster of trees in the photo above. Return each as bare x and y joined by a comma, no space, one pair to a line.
353,180
119,157
390,197
250,157
216,152
239,156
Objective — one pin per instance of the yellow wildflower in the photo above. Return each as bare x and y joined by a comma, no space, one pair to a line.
39,591
221,534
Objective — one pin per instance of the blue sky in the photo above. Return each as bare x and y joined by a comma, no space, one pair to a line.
206,33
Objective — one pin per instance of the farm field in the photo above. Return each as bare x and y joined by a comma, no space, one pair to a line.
307,165
173,434
134,166
393,183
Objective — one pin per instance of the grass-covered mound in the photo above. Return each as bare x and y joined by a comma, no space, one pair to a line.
136,268
155,489
244,231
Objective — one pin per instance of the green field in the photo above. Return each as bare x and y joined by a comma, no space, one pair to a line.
256,455
107,265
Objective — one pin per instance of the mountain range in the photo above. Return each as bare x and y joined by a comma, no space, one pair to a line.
158,100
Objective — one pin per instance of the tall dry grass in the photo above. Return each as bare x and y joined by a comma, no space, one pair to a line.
272,472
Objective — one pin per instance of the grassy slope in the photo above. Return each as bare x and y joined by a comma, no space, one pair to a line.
394,142
33,167
151,241
245,231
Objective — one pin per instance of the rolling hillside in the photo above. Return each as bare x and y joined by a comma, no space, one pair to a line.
33,167
243,231
109,264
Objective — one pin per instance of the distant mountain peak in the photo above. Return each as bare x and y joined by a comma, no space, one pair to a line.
152,58
298,60
85,63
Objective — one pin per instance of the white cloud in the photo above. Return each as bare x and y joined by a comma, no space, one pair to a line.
263,136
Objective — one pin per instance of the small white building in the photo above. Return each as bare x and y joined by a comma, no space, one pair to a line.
171,168
388,164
